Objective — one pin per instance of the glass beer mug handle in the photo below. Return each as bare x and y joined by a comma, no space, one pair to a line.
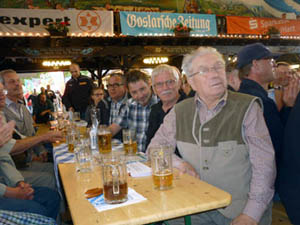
115,180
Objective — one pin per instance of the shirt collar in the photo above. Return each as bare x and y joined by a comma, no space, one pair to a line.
9,102
121,101
222,101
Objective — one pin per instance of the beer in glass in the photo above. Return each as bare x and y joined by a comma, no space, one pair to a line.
129,141
104,139
162,169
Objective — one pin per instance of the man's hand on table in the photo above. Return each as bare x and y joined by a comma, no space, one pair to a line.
185,167
53,136
243,219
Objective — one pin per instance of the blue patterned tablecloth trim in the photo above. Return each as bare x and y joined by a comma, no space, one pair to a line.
24,218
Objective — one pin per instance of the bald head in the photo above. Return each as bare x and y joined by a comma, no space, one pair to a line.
75,70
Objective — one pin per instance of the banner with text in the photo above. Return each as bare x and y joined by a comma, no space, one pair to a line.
253,25
20,22
145,23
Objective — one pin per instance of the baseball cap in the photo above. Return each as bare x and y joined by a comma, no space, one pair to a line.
252,52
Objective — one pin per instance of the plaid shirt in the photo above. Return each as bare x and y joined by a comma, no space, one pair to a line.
115,108
135,116
24,218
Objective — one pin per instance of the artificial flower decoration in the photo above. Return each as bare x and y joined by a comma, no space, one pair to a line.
180,28
58,27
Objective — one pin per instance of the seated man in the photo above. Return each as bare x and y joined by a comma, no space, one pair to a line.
15,194
117,99
135,114
166,85
42,110
36,173
223,140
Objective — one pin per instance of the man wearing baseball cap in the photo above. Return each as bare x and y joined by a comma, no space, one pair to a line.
256,70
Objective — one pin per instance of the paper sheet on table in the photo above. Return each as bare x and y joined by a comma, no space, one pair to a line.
99,203
137,169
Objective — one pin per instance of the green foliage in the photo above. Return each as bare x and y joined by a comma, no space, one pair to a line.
59,27
272,30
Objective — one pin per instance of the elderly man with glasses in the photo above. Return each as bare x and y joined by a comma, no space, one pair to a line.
166,85
223,140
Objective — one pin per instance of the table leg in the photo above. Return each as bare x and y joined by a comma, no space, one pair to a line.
187,220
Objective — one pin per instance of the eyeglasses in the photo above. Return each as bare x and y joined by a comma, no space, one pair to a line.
114,85
168,83
218,68
3,92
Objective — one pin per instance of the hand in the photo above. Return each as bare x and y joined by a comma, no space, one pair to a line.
23,185
185,167
6,131
24,192
290,92
53,136
243,219
45,112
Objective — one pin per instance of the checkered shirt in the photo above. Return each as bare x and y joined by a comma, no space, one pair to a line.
135,116
115,109
24,218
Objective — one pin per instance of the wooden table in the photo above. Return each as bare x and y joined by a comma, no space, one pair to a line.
42,128
188,196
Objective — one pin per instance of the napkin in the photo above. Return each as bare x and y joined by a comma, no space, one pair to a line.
99,203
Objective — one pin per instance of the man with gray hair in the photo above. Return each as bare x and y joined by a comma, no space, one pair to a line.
35,172
166,85
223,140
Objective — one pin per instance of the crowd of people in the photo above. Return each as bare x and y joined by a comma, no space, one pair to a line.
233,126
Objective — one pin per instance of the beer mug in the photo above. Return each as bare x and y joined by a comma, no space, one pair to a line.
104,139
71,141
114,178
162,169
76,116
129,141
83,156
81,126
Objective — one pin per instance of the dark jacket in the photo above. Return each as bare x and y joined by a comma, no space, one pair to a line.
156,118
77,93
274,119
39,108
288,175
